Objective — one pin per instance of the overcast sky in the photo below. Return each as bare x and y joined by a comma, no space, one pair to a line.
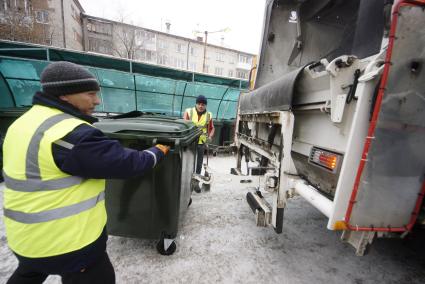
244,18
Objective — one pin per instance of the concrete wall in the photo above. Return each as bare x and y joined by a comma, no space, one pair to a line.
73,25
68,37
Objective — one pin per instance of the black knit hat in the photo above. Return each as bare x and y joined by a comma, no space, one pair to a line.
201,99
65,78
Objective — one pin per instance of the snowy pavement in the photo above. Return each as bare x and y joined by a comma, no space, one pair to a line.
218,242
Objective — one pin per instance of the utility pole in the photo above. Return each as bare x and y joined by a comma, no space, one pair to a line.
205,51
63,25
206,43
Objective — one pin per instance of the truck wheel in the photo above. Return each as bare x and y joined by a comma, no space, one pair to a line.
197,188
160,248
194,186
206,187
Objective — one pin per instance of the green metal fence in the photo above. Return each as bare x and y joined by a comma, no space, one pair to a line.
125,85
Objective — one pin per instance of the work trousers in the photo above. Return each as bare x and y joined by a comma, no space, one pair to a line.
101,272
200,157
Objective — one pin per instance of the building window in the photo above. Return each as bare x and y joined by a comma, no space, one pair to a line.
218,71
192,51
206,69
75,14
230,73
101,28
26,6
42,17
192,66
77,36
99,45
91,27
220,56
241,74
179,63
3,5
148,55
179,48
162,59
18,5
137,37
162,44
149,36
243,59
145,55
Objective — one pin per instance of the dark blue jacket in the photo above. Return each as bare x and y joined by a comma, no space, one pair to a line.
93,156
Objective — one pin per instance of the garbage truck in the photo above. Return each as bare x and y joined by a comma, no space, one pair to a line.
337,116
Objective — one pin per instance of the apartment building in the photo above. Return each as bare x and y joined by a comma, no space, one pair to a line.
63,23
48,22
163,48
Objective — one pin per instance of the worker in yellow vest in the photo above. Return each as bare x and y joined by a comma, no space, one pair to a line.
203,119
55,165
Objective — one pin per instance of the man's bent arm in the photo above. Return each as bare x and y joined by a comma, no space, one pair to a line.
93,155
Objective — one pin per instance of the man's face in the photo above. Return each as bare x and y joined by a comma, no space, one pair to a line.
85,102
200,107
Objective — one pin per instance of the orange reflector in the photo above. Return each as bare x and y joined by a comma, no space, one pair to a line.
340,225
328,160
324,158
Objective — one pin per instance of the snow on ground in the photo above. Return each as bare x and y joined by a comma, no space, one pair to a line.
218,242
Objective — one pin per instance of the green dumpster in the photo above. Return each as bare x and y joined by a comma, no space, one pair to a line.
228,131
153,205
8,116
216,140
224,132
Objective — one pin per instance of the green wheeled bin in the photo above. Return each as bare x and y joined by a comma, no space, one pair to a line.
229,131
216,140
151,206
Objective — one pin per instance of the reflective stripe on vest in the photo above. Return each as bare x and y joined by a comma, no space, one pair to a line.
49,215
33,184
32,167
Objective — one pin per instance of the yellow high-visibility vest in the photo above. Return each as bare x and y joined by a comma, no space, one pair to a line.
46,211
202,122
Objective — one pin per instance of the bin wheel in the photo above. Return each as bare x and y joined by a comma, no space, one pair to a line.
160,248
190,202
206,187
196,188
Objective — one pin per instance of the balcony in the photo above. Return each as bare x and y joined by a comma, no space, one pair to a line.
243,66
149,44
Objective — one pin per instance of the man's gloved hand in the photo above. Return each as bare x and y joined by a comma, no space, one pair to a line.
164,148
209,140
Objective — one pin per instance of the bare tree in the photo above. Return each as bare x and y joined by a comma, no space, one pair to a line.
18,25
129,39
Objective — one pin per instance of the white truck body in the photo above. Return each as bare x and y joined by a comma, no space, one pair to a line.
337,115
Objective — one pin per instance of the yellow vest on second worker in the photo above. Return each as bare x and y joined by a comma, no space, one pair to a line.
201,122
47,212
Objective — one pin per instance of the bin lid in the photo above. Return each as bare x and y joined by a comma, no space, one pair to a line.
149,127
13,112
